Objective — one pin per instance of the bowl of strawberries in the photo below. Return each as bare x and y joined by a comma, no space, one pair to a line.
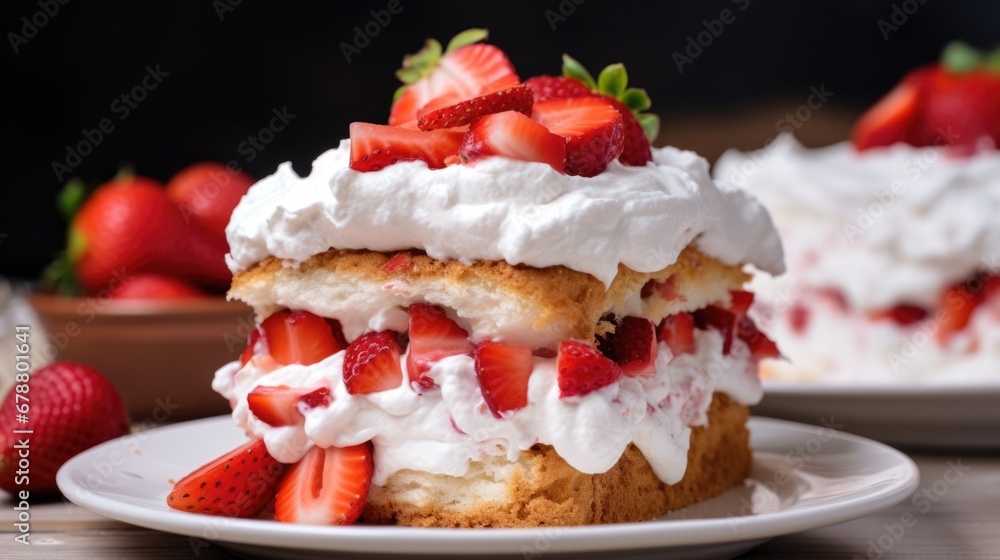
139,291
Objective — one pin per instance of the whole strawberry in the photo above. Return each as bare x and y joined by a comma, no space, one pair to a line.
208,192
130,226
70,408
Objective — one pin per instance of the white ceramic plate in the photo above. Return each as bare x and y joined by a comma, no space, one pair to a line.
965,416
803,477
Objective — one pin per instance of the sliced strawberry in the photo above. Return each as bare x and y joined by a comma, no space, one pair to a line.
371,363
760,345
636,150
237,484
740,303
722,320
450,111
256,344
326,487
399,261
511,134
464,72
544,88
582,369
433,337
903,314
592,128
632,346
677,331
298,337
503,371
375,146
897,117
957,305
281,405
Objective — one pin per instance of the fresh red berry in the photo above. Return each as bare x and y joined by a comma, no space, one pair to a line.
451,110
298,337
903,314
632,346
237,484
371,363
582,369
433,337
759,344
208,192
282,405
513,135
677,331
722,320
592,128
156,287
72,408
544,88
463,72
963,109
326,487
956,306
376,146
897,117
503,371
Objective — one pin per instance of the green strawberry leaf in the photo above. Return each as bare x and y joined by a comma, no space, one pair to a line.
420,63
993,61
59,277
71,197
573,69
612,80
959,57
467,37
636,99
650,125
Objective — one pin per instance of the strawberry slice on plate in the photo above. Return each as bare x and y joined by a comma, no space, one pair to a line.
281,405
582,369
463,69
503,371
513,135
326,487
297,337
592,128
452,110
433,337
375,146
677,331
237,484
371,363
632,346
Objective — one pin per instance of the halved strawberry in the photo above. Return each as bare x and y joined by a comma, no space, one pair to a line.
375,146
677,331
463,70
722,320
237,484
582,369
433,337
281,405
740,303
897,117
451,110
326,487
371,363
632,346
503,371
256,344
592,128
965,107
511,134
957,305
297,337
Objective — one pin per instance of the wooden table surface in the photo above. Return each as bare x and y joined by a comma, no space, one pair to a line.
963,524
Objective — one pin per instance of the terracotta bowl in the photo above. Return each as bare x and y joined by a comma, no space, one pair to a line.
160,355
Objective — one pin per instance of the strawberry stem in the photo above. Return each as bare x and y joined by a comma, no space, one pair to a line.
573,69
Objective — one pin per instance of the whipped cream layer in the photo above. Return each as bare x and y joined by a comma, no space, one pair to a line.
886,226
504,209
442,430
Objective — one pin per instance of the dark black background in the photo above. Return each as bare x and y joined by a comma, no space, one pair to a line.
227,74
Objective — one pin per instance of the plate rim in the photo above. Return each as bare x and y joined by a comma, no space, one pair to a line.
594,538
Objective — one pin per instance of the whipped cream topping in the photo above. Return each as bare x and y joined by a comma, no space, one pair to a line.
442,430
504,209
886,226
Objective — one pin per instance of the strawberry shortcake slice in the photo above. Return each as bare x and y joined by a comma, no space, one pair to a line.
498,310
